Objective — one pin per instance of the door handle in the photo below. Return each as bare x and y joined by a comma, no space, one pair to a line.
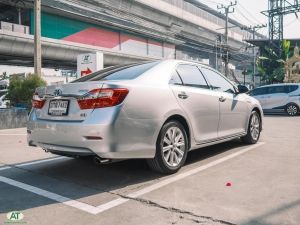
222,99
183,95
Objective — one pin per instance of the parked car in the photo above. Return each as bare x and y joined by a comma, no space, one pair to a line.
279,98
154,110
3,101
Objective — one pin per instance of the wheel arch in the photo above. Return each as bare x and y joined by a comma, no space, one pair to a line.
184,123
293,103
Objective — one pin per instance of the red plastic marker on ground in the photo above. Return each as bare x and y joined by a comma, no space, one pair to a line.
228,184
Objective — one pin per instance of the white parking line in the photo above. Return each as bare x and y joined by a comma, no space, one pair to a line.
33,163
12,134
119,201
55,197
5,168
41,161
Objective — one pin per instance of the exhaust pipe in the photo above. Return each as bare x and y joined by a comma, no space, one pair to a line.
97,160
46,150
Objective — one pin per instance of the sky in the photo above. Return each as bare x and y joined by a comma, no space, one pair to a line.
248,12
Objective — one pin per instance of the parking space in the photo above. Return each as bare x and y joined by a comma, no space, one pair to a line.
229,183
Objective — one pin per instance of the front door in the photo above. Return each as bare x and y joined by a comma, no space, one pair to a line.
234,112
260,94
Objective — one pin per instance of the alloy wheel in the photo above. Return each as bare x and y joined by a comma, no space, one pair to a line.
292,110
173,146
254,126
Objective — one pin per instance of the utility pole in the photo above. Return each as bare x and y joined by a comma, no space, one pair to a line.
218,41
216,61
228,9
253,31
37,38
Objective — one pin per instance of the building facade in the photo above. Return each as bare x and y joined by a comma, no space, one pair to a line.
124,30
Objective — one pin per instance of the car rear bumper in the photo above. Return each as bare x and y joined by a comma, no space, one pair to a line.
117,138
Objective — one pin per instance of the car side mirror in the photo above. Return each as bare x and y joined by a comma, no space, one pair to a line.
242,88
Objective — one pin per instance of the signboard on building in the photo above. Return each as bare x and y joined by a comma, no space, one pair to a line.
89,63
12,27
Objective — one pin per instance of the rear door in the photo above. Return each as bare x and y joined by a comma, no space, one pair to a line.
294,94
234,110
197,100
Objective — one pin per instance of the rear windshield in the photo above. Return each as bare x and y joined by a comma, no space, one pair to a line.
124,72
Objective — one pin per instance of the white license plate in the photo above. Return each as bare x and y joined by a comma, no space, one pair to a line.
58,107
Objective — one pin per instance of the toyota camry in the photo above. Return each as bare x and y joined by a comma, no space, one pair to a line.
157,111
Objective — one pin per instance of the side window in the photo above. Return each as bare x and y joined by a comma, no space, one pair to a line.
217,82
175,79
258,91
277,89
191,76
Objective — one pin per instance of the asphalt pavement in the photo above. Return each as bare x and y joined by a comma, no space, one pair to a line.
230,183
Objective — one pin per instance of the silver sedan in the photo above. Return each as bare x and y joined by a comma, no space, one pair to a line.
154,110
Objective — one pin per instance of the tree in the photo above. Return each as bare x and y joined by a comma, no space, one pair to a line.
271,66
3,76
20,90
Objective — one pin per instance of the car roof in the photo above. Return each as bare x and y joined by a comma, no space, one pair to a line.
281,84
186,61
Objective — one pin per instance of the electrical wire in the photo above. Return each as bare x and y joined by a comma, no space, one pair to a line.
290,23
249,13
245,17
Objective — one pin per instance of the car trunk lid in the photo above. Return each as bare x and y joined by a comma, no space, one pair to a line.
61,101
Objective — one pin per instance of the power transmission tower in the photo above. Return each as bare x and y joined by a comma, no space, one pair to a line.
277,9
227,10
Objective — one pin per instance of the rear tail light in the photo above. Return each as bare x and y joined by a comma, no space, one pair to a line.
37,102
101,98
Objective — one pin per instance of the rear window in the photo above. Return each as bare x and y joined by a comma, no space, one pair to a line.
293,88
191,76
124,72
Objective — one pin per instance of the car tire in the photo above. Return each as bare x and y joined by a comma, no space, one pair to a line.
171,148
292,109
254,128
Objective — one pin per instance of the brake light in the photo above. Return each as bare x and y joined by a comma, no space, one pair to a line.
37,102
100,98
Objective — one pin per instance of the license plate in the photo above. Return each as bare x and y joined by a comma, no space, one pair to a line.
58,107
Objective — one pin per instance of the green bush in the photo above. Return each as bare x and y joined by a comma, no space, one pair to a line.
20,90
